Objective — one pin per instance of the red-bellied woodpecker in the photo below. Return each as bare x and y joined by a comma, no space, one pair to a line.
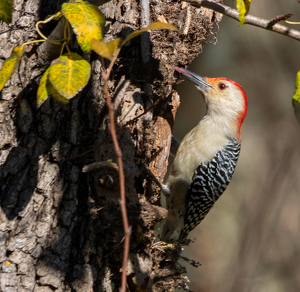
206,157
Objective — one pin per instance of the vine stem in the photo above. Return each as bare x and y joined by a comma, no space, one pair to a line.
57,15
249,19
127,228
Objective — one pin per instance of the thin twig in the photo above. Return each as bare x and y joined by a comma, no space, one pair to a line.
191,262
100,164
146,53
249,19
145,40
279,18
188,17
127,228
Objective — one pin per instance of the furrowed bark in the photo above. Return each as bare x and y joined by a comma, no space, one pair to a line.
61,228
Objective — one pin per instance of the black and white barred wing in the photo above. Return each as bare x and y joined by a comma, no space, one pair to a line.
209,182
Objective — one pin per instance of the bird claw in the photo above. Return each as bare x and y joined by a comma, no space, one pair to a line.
164,188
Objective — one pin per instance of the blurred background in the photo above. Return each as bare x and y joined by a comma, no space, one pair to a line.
250,241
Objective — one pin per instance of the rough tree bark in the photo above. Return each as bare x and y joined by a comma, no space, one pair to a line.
61,228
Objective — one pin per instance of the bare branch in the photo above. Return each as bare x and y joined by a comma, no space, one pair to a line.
249,19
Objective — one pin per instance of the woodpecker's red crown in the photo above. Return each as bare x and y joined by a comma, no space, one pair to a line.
224,98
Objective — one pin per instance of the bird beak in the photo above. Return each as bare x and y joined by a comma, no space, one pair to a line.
198,80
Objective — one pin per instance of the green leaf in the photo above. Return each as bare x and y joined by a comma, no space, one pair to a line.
87,22
243,8
69,74
10,65
106,50
46,89
6,7
154,25
296,98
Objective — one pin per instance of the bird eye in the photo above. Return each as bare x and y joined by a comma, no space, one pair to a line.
222,86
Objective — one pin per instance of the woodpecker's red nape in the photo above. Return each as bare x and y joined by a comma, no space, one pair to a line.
241,96
244,112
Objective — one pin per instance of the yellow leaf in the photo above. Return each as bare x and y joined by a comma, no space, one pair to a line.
69,74
243,8
46,89
6,7
296,98
87,22
10,65
105,50
8,263
42,92
154,25
52,91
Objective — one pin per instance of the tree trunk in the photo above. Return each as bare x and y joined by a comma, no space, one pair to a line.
60,222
